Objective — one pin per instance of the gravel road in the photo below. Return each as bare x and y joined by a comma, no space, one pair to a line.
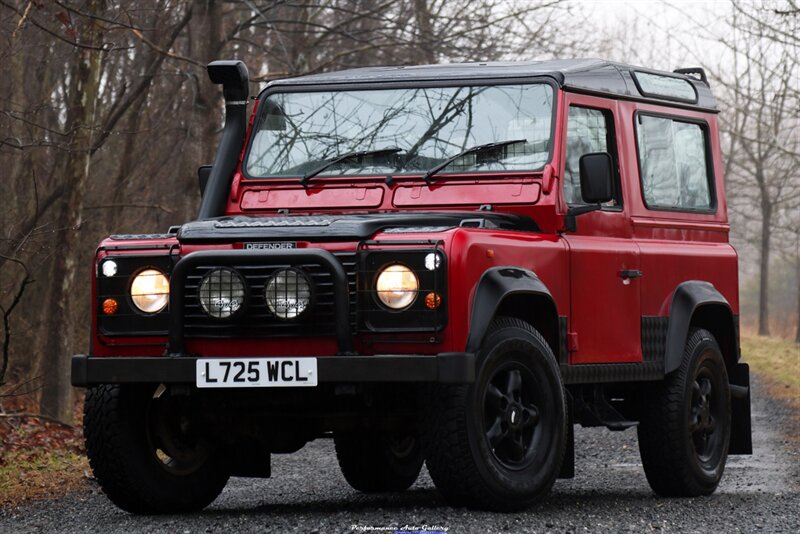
608,494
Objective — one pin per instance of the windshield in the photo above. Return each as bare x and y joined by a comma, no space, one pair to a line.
297,133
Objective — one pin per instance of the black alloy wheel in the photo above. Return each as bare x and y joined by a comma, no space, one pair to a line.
511,415
685,429
498,444
704,416
147,451
376,462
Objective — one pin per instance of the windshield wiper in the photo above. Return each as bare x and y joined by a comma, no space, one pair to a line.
357,154
478,148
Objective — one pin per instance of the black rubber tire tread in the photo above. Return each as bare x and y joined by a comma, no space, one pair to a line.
115,444
663,431
369,466
449,457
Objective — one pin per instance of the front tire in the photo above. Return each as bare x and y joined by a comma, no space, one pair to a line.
377,462
498,444
146,452
685,431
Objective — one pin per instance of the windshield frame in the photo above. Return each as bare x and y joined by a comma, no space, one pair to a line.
287,87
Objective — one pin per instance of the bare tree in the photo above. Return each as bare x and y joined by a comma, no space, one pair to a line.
763,129
107,112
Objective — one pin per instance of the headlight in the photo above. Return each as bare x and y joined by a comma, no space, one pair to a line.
287,293
221,293
397,286
150,291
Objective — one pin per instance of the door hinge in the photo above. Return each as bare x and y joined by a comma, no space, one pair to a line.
572,341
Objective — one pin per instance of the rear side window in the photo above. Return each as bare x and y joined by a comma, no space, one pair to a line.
674,165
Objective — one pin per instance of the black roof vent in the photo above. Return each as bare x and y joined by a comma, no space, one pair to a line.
691,71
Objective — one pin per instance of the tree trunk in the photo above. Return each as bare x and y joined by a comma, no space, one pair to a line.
763,291
206,39
425,35
83,89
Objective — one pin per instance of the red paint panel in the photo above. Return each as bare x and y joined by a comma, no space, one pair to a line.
312,198
670,262
467,194
605,306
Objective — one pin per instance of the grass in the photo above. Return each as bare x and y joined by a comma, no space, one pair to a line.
777,361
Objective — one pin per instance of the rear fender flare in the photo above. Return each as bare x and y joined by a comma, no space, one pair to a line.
690,301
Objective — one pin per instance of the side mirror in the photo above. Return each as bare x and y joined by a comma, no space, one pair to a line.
597,177
597,185
203,174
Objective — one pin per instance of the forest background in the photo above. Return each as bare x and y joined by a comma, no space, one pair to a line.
106,112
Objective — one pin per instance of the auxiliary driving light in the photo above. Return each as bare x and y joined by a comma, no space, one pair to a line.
288,293
150,291
221,293
397,286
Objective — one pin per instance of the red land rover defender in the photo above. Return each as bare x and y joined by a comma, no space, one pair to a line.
449,264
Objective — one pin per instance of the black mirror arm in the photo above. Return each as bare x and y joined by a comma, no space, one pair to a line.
572,213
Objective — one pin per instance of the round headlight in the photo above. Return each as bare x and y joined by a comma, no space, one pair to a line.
150,291
288,293
397,286
221,293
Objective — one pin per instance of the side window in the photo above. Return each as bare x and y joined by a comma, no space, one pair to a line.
673,164
588,130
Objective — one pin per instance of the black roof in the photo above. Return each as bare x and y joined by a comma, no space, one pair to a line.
595,76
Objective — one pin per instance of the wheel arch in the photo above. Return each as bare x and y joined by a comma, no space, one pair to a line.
513,292
699,304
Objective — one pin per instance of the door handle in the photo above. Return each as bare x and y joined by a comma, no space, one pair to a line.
630,273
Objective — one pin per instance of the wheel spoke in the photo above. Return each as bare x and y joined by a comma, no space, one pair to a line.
705,387
496,397
694,424
530,416
513,384
496,433
517,447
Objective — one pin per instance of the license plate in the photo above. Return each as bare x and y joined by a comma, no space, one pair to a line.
256,372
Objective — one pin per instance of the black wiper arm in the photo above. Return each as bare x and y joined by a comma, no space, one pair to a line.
478,148
357,154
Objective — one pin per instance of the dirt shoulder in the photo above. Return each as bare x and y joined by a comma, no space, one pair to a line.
39,459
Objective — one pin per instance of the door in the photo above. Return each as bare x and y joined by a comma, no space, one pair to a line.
605,275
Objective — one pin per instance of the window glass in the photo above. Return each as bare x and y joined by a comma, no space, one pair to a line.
300,131
665,86
673,163
587,132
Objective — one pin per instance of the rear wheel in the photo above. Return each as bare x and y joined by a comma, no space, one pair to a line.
146,451
378,462
498,444
685,431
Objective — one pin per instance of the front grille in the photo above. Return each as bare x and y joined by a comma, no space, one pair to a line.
255,319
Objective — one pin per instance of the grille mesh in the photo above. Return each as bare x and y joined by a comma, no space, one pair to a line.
256,319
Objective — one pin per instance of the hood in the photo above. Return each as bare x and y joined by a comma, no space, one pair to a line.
354,227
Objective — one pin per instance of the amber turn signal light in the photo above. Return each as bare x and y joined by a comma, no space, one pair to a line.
432,300
110,306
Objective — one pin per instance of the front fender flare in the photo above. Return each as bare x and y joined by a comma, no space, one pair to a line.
497,284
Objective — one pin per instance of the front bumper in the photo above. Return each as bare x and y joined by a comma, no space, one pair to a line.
447,367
